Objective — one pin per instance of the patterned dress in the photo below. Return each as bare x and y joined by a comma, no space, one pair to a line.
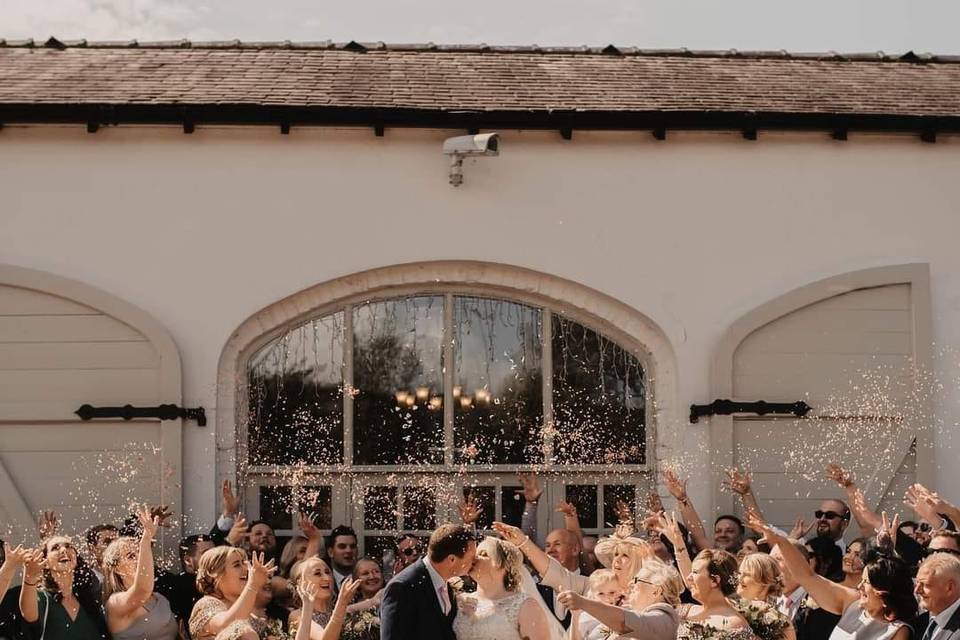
205,609
479,619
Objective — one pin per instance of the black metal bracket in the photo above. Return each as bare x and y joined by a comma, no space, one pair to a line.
129,412
762,407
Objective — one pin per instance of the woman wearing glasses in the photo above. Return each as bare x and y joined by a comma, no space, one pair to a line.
653,597
878,609
134,610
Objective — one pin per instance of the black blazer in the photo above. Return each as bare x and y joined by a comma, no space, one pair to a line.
411,609
950,631
547,594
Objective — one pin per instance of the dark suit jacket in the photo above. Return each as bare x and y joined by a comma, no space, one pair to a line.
411,609
950,631
547,594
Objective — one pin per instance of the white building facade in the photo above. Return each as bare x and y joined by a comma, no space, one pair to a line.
195,249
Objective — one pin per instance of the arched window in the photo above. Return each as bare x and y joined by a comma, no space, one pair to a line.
382,413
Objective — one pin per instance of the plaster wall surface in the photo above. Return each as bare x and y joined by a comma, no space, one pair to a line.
204,230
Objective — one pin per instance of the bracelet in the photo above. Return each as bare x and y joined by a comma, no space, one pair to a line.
526,539
31,584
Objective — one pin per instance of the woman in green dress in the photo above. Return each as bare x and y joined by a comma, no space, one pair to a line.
59,599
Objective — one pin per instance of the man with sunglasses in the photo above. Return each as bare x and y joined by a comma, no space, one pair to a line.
409,550
833,517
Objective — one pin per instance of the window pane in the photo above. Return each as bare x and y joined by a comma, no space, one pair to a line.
398,374
485,499
584,498
419,509
380,508
511,505
295,396
498,392
318,501
612,494
275,506
598,398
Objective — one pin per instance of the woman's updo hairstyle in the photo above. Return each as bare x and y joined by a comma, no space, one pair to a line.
507,556
764,570
721,565
891,576
212,564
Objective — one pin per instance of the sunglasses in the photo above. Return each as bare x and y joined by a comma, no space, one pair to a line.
409,551
828,515
925,527
953,552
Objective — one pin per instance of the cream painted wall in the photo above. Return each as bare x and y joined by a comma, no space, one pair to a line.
203,230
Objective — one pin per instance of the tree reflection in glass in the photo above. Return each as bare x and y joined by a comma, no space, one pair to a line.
599,403
397,374
498,382
296,396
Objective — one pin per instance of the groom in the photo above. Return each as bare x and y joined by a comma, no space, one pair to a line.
418,604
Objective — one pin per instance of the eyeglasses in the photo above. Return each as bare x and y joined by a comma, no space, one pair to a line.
828,515
924,527
636,580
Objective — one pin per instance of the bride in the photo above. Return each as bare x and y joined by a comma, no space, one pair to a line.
506,605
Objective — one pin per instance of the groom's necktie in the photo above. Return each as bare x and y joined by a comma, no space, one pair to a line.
445,599
932,629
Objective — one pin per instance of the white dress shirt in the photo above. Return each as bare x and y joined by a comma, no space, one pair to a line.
788,605
439,586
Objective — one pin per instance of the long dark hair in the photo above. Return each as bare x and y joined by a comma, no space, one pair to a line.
891,576
85,588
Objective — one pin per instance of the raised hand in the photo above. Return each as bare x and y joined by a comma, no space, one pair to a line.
238,532
887,533
624,513
670,527
469,511
571,600
837,473
531,491
32,565
48,524
258,571
654,503
801,529
676,488
737,481
348,589
510,533
162,512
307,591
148,522
18,556
921,500
306,524
568,509
756,522
231,503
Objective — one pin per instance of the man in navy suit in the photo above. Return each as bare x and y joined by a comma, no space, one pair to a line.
418,603
938,585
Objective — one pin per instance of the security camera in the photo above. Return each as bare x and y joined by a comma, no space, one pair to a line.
459,147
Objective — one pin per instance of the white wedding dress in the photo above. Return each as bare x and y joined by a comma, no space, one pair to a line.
482,619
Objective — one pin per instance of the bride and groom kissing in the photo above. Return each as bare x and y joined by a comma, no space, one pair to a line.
422,602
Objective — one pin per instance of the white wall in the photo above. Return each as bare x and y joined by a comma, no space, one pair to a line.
203,230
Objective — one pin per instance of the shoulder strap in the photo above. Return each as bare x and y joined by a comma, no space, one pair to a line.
46,612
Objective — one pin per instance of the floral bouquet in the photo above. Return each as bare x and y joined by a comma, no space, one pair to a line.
700,631
361,625
764,619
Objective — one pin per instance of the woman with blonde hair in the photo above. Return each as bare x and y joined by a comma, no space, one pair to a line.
134,610
759,587
653,597
229,585
327,619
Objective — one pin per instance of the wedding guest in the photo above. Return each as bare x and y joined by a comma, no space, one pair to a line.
827,557
329,612
181,589
852,563
134,610
58,597
728,533
293,552
945,541
938,587
342,553
563,546
268,619
367,573
603,588
760,586
653,597
230,586
409,550
879,609
98,538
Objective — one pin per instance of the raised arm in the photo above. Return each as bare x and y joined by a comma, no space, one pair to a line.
571,521
307,592
867,518
924,503
612,617
258,573
531,493
668,526
689,514
124,603
32,575
741,483
47,525
348,589
314,538
942,507
15,559
536,556
829,595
